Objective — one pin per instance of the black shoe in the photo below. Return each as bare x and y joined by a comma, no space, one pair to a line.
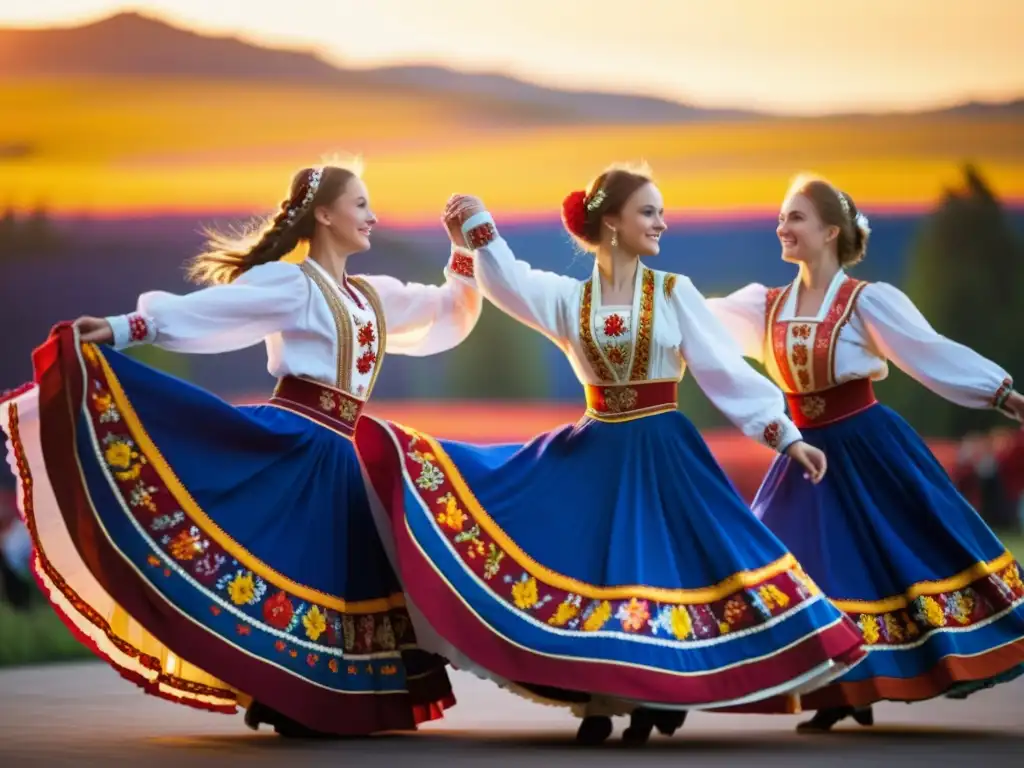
864,716
641,723
260,714
289,729
824,719
257,714
669,721
595,729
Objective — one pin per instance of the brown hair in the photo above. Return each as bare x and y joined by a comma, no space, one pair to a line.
226,257
836,208
604,196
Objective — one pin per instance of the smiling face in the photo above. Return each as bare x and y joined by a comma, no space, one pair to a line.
348,219
641,222
805,238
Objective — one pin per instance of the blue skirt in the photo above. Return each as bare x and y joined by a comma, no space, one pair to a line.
889,539
611,559
240,538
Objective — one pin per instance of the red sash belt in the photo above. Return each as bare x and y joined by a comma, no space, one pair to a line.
816,409
327,405
617,402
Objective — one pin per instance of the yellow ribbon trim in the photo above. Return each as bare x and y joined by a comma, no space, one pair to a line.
898,602
743,579
211,529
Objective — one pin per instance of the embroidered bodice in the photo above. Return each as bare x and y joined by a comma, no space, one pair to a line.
858,329
801,351
361,327
667,330
313,327
614,334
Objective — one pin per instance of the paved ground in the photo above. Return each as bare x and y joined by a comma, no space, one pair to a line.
83,714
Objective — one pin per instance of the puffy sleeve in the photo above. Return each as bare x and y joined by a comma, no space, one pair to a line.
748,399
743,314
532,296
902,334
264,300
428,319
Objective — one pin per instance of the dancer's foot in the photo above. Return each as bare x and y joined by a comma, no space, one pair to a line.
595,729
257,714
641,723
669,721
824,719
864,716
290,729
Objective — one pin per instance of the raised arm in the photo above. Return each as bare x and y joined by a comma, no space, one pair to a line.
903,335
427,319
265,300
748,399
532,296
743,314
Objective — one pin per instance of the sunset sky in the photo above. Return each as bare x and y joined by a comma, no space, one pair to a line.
799,56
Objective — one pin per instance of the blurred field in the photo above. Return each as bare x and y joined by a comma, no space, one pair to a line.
115,146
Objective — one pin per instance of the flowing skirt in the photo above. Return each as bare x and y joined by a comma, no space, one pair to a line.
612,560
894,545
209,553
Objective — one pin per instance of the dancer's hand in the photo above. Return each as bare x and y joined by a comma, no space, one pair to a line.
454,229
95,330
1015,405
810,458
460,208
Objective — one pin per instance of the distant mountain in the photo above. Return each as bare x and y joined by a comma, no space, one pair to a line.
1013,108
130,44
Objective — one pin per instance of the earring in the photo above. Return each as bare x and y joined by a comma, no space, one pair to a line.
615,238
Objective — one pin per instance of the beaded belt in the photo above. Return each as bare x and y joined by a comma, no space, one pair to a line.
327,405
816,409
630,401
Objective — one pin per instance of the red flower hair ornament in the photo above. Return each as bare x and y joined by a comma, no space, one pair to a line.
574,212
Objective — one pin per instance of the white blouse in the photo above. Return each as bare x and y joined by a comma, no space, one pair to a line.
884,325
667,329
307,319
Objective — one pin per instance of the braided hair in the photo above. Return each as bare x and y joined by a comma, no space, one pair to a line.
226,257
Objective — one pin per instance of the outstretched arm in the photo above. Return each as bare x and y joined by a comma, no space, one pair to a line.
956,372
265,300
532,296
427,319
743,314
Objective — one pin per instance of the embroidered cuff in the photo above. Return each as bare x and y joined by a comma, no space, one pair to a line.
462,265
780,434
131,330
1004,391
479,230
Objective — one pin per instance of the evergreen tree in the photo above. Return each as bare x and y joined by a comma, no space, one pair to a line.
964,271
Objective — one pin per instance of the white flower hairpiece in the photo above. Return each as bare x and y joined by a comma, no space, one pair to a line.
843,201
314,184
862,224
595,200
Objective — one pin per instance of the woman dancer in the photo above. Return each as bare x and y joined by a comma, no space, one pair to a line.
886,535
205,550
609,563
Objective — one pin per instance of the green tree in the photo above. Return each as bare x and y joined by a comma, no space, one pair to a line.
965,274
502,359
